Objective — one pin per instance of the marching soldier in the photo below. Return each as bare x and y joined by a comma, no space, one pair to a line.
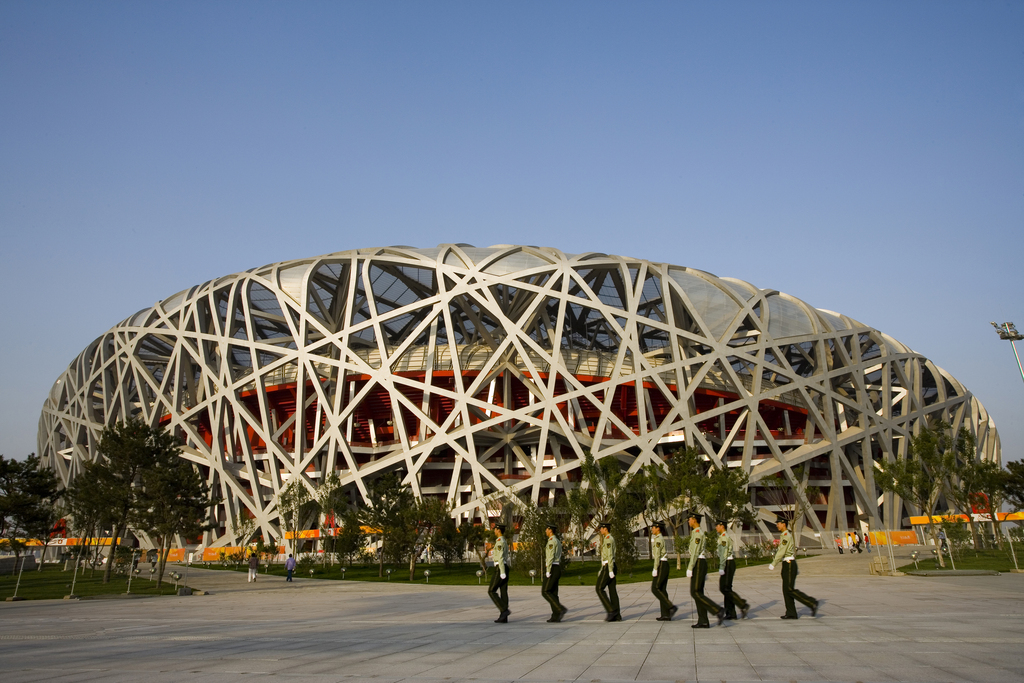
697,572
606,576
787,553
552,573
660,573
499,579
726,571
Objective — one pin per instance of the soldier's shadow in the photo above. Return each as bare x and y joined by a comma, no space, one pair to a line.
755,611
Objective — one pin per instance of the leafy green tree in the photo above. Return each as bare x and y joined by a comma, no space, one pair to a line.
421,521
296,509
447,543
477,537
672,490
1013,485
991,493
127,448
350,539
172,500
920,478
331,501
86,506
28,497
385,515
606,495
532,541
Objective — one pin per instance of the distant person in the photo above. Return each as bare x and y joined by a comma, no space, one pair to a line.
856,538
839,544
254,566
867,541
289,565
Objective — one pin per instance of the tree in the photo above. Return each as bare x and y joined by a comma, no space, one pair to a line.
28,494
791,500
672,489
532,541
477,537
421,521
330,501
384,515
963,476
1013,487
448,544
606,496
349,540
127,448
295,508
920,477
991,492
86,506
173,500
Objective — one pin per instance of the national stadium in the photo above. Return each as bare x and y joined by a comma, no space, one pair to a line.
486,371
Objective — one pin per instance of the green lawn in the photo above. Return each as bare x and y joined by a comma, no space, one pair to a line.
54,583
997,560
464,574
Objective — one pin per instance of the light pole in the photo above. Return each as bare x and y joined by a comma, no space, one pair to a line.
1008,332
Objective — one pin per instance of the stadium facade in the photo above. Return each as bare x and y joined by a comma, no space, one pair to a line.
478,371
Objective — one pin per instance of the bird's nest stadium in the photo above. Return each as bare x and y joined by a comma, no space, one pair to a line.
478,371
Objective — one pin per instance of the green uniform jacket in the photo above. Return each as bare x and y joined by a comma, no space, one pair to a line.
552,553
608,551
724,548
786,547
658,549
697,541
500,554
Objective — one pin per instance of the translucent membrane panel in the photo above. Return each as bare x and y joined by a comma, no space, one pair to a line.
716,308
292,278
514,263
787,319
833,320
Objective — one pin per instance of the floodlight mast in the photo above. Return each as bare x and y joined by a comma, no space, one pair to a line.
1008,332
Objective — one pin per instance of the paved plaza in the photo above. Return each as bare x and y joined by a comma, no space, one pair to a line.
869,629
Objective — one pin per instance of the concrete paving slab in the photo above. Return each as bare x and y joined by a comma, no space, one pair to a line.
871,629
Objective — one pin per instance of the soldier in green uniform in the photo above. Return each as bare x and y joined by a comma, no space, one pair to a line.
787,553
552,573
697,572
660,572
726,571
606,576
498,588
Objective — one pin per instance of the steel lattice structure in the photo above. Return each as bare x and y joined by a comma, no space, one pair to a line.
478,371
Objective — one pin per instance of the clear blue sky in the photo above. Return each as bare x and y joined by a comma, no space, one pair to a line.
865,157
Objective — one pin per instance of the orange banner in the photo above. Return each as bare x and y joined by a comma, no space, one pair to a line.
939,519
898,538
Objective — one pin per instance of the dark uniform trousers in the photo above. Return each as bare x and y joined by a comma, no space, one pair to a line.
732,600
549,590
609,601
499,584
658,584
789,591
704,603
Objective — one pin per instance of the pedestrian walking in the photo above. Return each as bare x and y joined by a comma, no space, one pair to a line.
839,544
867,541
787,553
254,566
856,539
498,588
660,572
606,592
289,566
552,574
726,572
697,572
